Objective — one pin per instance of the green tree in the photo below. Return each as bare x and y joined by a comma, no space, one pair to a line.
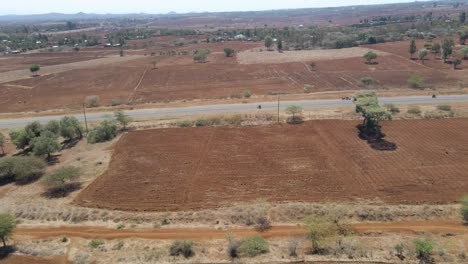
464,51
228,52
463,17
294,110
424,249
412,48
21,169
154,62
268,42
53,126
59,179
21,138
422,53
464,209
2,142
70,128
370,56
456,62
318,229
436,49
201,55
280,45
105,131
34,69
7,225
367,104
447,48
45,144
122,118
253,246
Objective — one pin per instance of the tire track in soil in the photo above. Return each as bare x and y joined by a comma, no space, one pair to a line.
89,232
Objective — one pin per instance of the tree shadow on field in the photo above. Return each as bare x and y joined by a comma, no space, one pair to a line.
68,144
57,193
54,159
6,251
375,138
296,120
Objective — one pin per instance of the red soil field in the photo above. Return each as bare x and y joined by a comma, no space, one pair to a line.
319,161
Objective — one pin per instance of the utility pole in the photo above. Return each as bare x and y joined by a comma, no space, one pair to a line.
278,108
86,121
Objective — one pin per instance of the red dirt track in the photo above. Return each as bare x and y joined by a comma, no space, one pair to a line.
195,168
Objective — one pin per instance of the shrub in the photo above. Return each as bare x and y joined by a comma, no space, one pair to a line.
214,121
262,223
367,81
122,119
21,169
392,108
7,225
414,110
370,57
118,246
185,123
399,248
201,55
444,107
247,93
416,82
34,68
312,66
116,102
464,209
70,128
201,122
319,228
235,120
93,244
233,246
228,52
182,247
105,131
59,179
424,249
92,101
253,246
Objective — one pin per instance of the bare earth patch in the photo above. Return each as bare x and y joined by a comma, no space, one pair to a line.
266,57
12,76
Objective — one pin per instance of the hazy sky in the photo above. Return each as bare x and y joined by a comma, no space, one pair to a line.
157,6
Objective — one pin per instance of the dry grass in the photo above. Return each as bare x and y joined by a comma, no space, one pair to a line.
266,57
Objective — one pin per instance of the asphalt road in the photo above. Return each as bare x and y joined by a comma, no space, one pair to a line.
233,108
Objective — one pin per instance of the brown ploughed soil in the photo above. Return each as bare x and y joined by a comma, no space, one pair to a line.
318,161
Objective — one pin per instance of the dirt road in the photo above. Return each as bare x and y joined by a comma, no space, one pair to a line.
207,234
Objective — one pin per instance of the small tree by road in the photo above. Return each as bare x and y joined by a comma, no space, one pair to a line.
122,118
7,225
35,69
70,128
370,57
268,42
318,229
367,104
295,111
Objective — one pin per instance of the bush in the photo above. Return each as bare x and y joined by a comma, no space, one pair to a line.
70,128
228,52
185,123
95,243
92,101
444,107
292,248
105,131
34,68
235,120
21,169
392,108
201,122
370,57
253,246
122,119
182,247
464,209
367,81
233,246
319,228
201,55
414,110
247,94
59,179
424,249
7,225
416,82
262,223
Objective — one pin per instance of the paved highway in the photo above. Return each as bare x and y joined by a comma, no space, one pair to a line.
233,108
